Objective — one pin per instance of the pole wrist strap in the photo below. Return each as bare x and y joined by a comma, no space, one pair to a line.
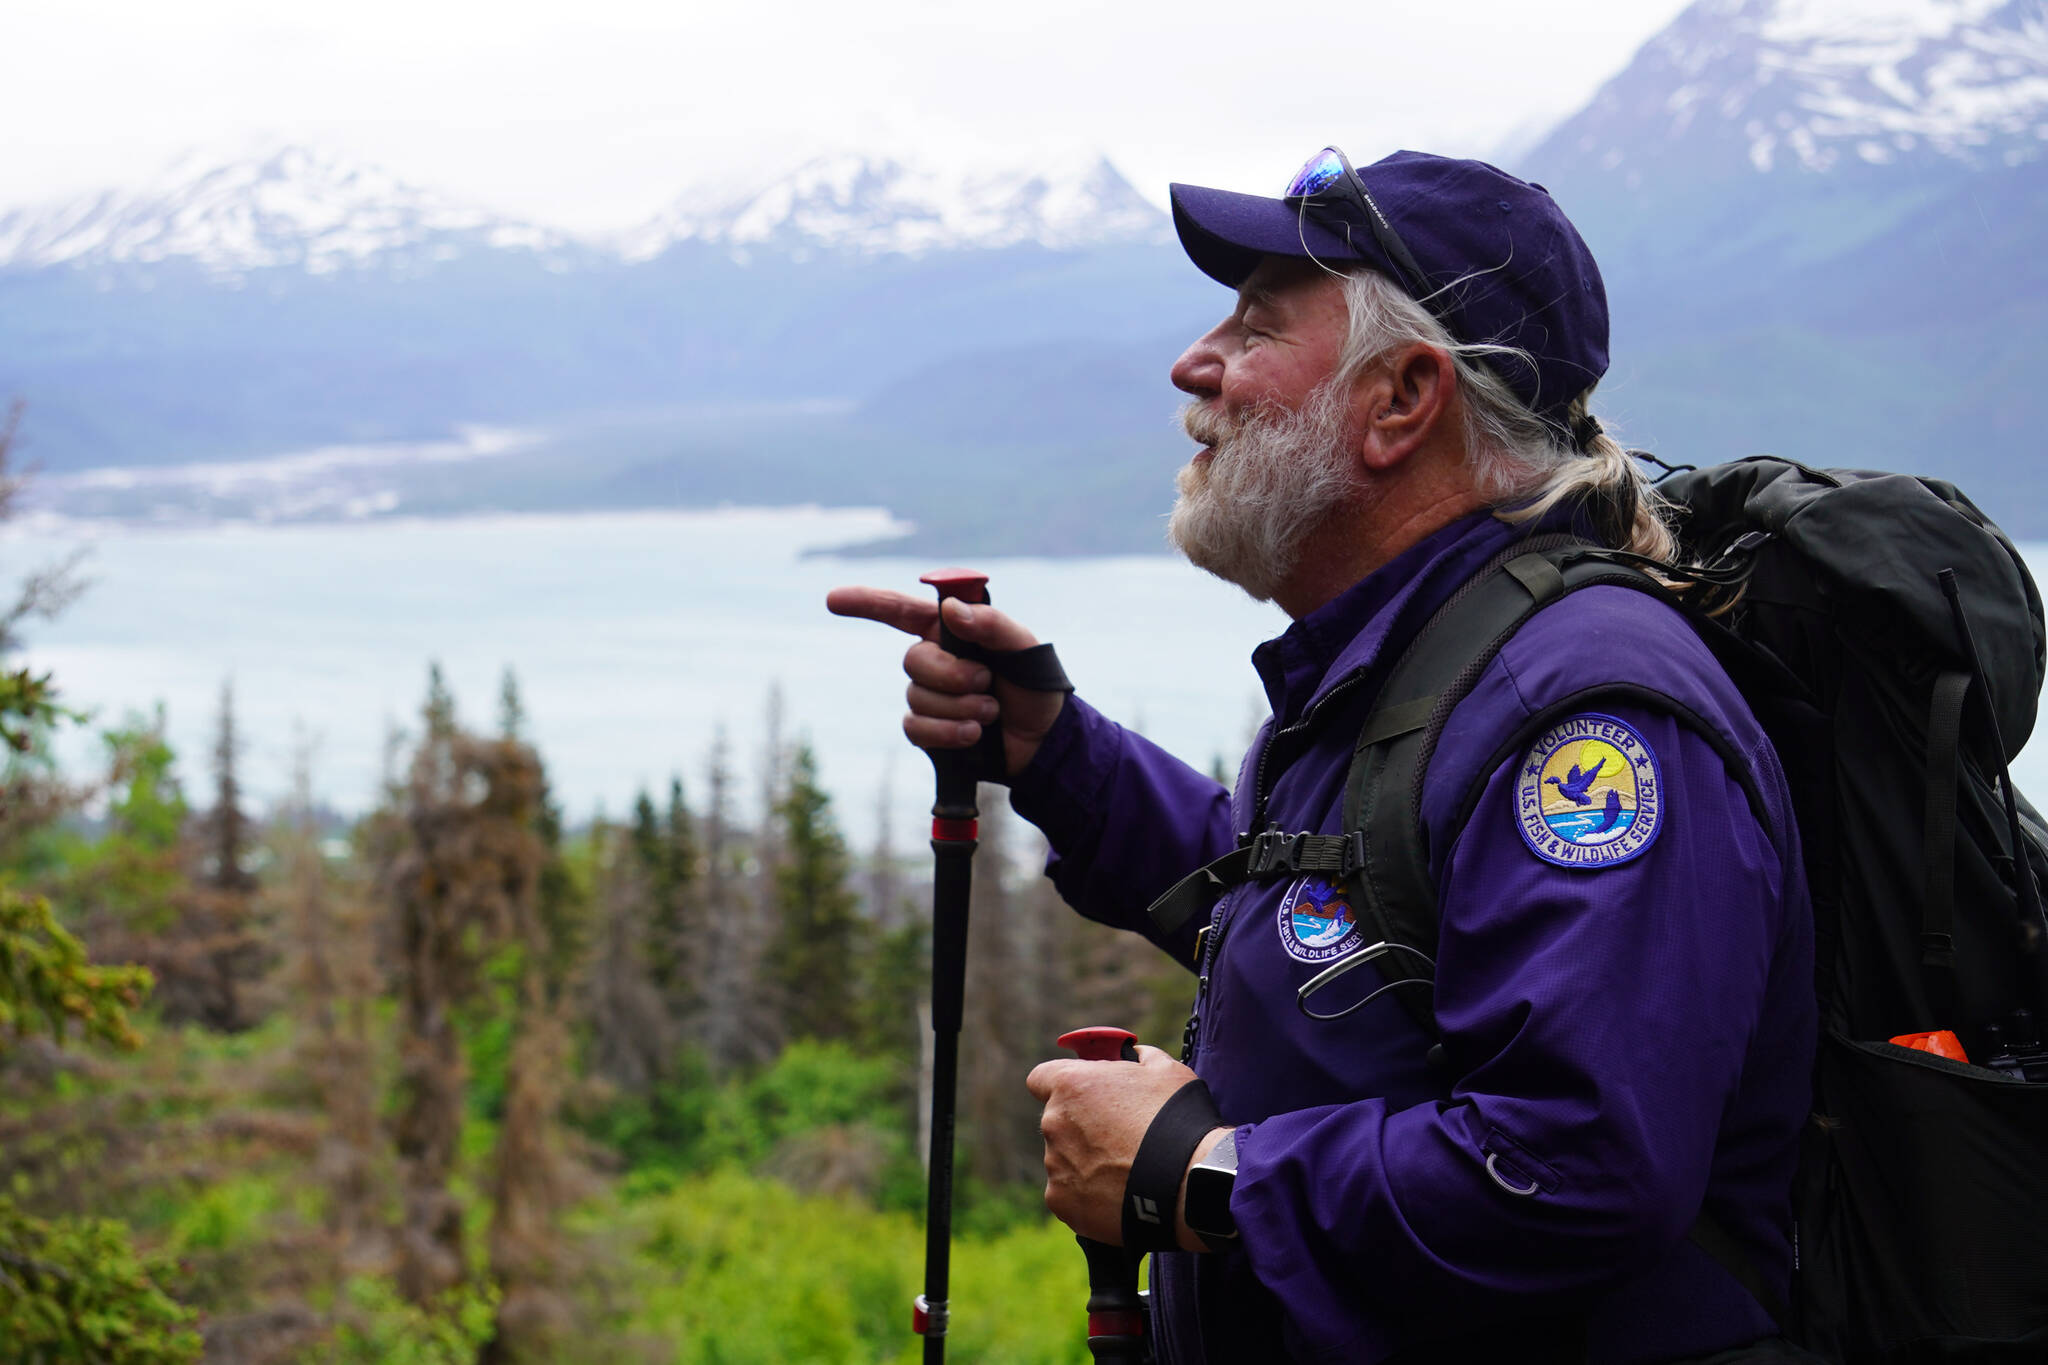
1152,1190
1036,669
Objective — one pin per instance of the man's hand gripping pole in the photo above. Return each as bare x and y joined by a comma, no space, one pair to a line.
1119,1329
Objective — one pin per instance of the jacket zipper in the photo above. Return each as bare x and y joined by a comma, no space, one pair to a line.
1309,717
1209,938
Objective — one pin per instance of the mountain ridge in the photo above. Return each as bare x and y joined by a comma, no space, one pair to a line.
879,205
281,206
1816,86
1840,309
292,206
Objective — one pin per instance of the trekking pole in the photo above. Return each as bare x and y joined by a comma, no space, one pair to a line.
1118,1330
955,834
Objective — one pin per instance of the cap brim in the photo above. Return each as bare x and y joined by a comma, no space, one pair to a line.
1227,234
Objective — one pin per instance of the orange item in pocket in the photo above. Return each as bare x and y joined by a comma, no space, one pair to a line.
1941,1042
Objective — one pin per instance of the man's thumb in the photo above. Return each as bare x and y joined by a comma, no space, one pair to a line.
983,625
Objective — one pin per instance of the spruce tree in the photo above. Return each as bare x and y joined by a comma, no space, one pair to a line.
70,1288
227,826
816,956
665,847
511,710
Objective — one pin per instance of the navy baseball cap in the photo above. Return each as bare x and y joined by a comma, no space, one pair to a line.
1493,257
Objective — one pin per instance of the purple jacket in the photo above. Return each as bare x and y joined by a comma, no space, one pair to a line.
1628,1030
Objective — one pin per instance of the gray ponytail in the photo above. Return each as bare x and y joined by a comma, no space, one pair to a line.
1522,465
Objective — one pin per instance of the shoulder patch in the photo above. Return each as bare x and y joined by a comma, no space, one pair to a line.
1589,793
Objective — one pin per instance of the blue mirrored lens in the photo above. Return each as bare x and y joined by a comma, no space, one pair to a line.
1323,170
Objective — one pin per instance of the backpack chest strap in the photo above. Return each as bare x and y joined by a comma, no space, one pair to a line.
1269,855
1381,850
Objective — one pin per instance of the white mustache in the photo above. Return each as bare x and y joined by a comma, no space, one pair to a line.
1206,426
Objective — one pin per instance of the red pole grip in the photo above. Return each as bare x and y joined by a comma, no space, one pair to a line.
965,584
1101,1043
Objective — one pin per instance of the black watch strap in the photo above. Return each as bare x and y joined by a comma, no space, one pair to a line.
1152,1190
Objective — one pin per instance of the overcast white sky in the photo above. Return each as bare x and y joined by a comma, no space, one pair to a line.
592,114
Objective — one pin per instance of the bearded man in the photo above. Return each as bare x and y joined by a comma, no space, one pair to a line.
1578,1143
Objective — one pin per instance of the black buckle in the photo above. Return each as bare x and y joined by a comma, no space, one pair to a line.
1274,851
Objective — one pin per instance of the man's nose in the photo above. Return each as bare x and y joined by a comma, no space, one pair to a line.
1199,370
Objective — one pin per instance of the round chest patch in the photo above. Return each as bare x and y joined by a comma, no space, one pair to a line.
1589,794
1316,923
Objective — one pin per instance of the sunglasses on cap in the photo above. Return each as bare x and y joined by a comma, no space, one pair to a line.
1327,187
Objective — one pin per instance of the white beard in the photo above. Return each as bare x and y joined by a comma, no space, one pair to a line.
1273,478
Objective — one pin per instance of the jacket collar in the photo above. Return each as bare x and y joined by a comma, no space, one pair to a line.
1377,615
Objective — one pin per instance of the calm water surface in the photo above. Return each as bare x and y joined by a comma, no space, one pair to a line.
635,636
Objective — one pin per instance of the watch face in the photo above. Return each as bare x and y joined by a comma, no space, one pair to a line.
1210,1183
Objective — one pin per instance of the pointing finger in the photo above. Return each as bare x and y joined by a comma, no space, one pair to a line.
911,615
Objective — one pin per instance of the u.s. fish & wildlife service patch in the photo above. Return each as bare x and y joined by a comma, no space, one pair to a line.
1316,922
1589,794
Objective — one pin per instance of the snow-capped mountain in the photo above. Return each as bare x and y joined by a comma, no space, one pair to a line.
284,206
875,206
1817,86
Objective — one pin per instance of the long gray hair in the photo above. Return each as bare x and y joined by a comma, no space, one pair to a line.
1522,464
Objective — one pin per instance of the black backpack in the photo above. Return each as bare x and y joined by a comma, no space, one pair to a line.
1890,640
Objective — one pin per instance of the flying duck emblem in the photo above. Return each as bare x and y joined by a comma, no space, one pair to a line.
1564,819
1316,921
1611,814
1572,786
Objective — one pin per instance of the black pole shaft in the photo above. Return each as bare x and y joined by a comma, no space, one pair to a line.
951,887
955,835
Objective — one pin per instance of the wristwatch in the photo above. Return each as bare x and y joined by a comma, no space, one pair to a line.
1207,1206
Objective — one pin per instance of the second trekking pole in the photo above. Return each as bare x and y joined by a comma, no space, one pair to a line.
955,835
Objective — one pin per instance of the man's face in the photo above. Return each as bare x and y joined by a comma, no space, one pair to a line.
1274,461
1281,342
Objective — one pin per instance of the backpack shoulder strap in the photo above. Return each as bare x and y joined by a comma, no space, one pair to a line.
1404,705
1383,790
1381,853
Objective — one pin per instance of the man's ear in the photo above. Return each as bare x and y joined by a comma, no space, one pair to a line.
1402,400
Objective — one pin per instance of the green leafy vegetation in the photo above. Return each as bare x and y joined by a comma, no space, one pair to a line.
458,1081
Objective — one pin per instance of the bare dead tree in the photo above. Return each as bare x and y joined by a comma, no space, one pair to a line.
460,874
334,983
48,590
632,1030
733,1029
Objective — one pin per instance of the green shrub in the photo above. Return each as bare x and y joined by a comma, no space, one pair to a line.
688,1124
230,1212
662,1130
734,1270
75,1291
812,1085
377,1326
